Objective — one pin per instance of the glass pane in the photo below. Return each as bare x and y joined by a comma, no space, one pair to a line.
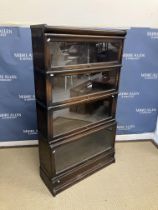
74,53
69,86
86,147
79,115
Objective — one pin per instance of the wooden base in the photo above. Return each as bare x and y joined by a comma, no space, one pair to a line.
65,180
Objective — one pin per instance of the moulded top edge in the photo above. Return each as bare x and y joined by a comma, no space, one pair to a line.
79,30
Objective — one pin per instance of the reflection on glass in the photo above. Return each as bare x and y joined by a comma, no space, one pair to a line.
69,86
73,153
79,115
74,53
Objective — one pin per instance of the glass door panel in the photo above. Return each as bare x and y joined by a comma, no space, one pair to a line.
77,85
81,114
64,53
70,154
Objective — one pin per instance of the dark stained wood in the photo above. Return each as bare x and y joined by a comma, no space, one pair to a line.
44,84
59,184
84,67
83,38
79,30
61,165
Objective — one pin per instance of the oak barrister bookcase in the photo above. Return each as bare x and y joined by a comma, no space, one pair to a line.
76,73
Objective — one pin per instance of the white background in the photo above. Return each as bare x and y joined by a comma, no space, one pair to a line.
110,13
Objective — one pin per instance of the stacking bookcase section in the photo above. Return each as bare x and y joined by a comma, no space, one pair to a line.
68,86
76,74
70,117
76,156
